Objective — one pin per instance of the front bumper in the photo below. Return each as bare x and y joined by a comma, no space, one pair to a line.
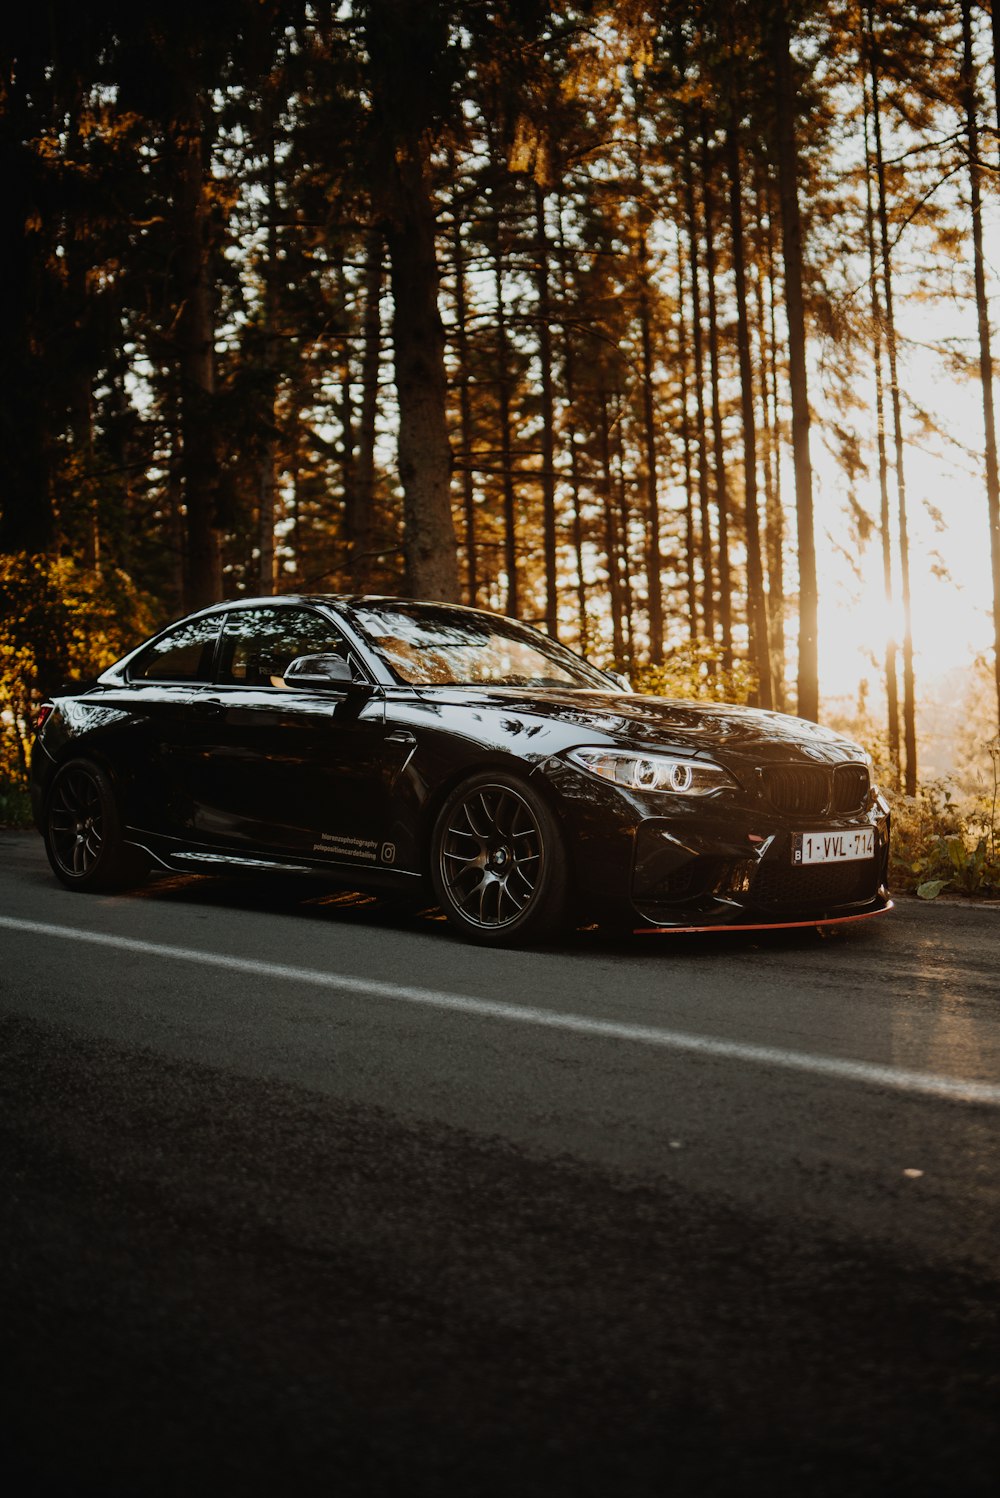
659,862
702,882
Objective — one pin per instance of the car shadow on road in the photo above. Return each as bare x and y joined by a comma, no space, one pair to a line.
314,899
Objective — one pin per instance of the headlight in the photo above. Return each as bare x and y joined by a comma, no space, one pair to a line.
653,772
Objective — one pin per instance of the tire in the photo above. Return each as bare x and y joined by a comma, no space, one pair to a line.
83,831
498,862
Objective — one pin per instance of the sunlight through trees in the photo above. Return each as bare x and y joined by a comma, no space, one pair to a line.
554,308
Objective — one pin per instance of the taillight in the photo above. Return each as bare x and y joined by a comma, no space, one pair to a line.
41,716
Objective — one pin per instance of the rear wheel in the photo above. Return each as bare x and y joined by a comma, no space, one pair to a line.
498,862
82,830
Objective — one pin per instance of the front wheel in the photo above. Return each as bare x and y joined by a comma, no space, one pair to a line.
498,862
82,830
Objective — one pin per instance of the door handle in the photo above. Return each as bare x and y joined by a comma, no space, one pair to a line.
401,736
208,707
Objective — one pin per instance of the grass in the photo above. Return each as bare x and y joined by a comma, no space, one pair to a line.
15,805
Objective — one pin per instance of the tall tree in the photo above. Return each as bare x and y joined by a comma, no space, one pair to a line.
690,528
718,444
968,95
411,54
465,407
548,476
765,321
885,524
909,689
779,40
756,601
698,347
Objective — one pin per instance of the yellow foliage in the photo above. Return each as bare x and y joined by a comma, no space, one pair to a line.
523,146
696,671
58,622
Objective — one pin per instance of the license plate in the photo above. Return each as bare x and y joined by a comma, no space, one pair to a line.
833,847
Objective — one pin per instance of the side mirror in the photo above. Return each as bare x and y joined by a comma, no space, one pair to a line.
318,671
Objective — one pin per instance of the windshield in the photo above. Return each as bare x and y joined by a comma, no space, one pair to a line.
440,646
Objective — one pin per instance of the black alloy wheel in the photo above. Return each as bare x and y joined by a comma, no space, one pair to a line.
83,837
498,862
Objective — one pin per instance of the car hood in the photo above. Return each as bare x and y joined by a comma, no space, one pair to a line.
709,728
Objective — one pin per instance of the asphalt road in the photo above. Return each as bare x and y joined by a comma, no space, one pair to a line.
302,1195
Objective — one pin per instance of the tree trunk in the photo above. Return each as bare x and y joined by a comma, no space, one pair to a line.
78,257
266,486
464,408
569,390
791,241
718,448
363,528
503,416
690,536
344,407
654,558
175,499
120,515
982,309
581,581
756,603
995,27
548,415
82,427
402,129
885,519
701,434
767,337
196,344
27,516
624,518
425,459
909,696
611,530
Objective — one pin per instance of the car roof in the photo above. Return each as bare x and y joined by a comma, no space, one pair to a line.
347,602
343,600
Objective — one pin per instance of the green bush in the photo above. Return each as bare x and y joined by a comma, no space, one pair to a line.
943,840
15,805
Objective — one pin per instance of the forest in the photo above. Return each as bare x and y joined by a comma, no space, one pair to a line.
601,314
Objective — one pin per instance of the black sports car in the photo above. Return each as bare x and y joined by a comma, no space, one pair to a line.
403,746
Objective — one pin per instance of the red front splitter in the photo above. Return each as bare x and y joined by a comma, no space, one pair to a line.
831,920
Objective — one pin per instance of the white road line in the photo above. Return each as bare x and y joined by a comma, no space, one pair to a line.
699,1045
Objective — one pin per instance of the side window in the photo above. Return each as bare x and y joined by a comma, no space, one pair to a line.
258,645
185,654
